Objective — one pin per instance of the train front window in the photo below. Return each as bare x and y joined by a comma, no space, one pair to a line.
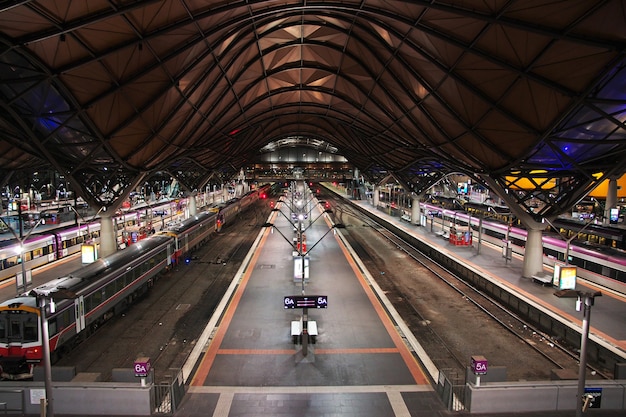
18,326
15,329
30,329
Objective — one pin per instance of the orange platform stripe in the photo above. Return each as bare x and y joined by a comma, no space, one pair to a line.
416,370
207,362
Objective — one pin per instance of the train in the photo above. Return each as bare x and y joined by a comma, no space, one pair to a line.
101,290
59,242
601,264
594,234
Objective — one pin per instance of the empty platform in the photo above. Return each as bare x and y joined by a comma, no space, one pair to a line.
358,365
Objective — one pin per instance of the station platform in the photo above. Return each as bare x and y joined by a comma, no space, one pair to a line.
359,365
608,323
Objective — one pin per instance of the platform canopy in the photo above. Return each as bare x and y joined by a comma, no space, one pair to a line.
108,92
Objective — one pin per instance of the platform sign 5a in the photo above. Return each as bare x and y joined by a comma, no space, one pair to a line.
479,365
305,301
142,367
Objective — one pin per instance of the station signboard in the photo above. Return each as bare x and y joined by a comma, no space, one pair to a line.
479,365
142,367
593,396
305,301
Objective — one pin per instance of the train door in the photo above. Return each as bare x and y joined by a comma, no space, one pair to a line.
58,245
79,313
170,253
220,221
178,248
185,246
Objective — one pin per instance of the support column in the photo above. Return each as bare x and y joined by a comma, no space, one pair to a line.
376,196
225,195
415,210
533,256
611,200
108,236
192,204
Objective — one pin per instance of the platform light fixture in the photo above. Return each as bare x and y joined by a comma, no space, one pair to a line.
299,247
584,301
22,253
48,299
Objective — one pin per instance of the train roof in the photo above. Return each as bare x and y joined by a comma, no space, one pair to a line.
87,274
74,229
494,207
31,239
24,300
607,231
191,221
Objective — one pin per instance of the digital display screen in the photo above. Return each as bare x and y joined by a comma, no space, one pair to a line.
305,301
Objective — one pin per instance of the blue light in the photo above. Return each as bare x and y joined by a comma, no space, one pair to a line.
50,123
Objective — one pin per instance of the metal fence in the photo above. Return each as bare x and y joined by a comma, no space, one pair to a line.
451,389
169,394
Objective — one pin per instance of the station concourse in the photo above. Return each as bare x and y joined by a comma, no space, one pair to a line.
105,99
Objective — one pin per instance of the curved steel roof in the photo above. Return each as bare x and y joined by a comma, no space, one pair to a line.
111,91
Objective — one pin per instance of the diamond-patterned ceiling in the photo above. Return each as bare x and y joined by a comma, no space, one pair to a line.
108,92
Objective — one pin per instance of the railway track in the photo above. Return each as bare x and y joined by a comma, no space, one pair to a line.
175,353
415,285
166,323
441,337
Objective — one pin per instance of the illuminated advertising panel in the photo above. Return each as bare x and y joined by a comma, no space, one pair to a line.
298,268
89,253
567,279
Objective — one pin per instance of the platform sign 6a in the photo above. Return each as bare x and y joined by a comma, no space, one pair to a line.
479,365
142,367
305,301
